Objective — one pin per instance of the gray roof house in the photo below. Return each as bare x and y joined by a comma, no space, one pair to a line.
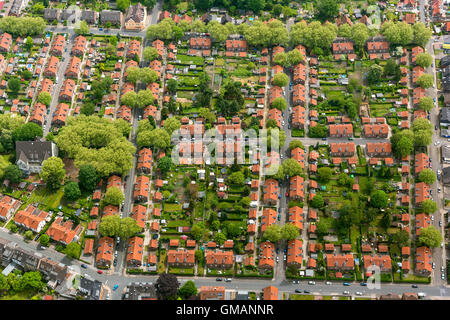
446,153
51,14
67,14
446,176
112,16
92,288
137,13
89,16
444,117
31,154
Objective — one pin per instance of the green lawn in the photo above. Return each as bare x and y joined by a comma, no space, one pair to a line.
172,207
4,162
301,297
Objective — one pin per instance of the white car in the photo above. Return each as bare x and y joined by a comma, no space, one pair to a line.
278,259
358,293
346,292
311,282
328,283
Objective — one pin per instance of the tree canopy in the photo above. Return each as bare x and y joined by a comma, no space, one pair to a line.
430,237
98,142
53,172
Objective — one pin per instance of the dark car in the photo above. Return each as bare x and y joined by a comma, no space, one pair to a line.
415,286
84,266
324,139
218,279
307,291
155,236
298,291
363,284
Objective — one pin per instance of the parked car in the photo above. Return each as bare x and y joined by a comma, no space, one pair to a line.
298,291
442,269
278,259
306,291
287,193
218,279
415,286
363,284
311,283
346,284
228,280
443,276
328,283
84,266
99,271
346,292
115,287
358,293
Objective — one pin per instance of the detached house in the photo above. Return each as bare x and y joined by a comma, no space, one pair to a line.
64,231
31,154
135,17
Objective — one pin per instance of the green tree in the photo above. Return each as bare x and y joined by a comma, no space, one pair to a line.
324,174
280,79
294,57
73,250
379,199
172,124
390,67
198,231
279,103
45,98
144,98
398,33
291,167
289,232
401,238
374,74
87,177
220,238
28,132
272,233
421,34
428,206
14,84
123,5
296,144
427,176
72,191
83,28
426,103
218,32
44,240
29,234
326,10
150,54
129,99
424,60
317,201
430,237
321,228
167,286
12,173
164,164
425,81
53,172
236,178
172,85
402,143
158,138
110,226
113,196
187,290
